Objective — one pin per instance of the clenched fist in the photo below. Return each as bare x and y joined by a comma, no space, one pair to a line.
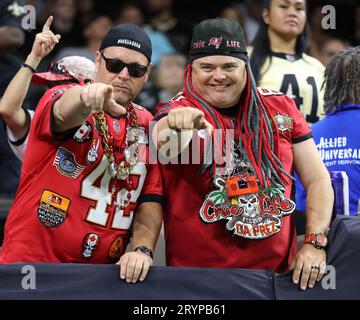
188,118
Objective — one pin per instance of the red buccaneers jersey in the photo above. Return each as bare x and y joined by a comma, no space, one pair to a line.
192,242
63,210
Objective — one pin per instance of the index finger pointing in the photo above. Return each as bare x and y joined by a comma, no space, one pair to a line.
48,23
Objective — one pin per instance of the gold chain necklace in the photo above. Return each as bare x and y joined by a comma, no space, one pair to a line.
122,170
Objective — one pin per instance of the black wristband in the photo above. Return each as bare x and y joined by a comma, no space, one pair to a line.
25,65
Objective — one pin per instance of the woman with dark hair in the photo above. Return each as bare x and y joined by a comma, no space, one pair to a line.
278,56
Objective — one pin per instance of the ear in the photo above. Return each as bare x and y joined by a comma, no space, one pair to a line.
148,72
97,64
265,15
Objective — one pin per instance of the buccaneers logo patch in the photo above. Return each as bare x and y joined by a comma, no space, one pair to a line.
90,244
66,164
216,42
52,209
249,215
284,122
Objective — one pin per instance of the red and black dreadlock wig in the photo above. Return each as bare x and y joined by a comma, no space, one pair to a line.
259,135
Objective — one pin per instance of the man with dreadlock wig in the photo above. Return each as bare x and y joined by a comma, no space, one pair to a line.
237,216
337,136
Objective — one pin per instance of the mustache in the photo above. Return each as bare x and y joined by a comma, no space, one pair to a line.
120,84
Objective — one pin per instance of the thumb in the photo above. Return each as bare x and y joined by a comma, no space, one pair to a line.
204,124
120,110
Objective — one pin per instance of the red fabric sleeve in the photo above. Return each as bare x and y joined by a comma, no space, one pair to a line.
153,188
301,130
43,120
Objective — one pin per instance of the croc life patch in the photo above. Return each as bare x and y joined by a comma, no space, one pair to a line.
84,133
66,164
52,209
89,245
117,248
284,122
250,216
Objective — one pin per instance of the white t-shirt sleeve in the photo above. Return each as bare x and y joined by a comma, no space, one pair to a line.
18,146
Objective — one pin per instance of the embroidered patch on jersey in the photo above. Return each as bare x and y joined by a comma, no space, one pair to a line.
284,122
52,209
84,133
89,245
117,248
251,216
93,153
66,164
116,126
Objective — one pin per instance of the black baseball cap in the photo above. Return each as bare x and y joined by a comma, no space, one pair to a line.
218,37
129,36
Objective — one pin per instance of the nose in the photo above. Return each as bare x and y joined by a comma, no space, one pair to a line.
292,11
124,74
219,74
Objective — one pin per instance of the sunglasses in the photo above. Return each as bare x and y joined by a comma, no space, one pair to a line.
115,66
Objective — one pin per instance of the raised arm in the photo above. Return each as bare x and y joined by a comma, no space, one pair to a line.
77,103
11,103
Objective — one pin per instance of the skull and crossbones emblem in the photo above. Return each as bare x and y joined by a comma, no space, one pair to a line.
250,204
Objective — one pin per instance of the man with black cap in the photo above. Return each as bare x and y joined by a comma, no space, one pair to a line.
85,168
243,180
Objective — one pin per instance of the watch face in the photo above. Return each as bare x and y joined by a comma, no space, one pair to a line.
321,240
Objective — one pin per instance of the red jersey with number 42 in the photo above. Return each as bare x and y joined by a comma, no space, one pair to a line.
192,242
64,210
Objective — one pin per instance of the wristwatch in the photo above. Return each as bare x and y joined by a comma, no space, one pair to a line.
145,250
318,240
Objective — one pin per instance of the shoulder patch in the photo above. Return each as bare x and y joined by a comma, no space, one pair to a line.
284,122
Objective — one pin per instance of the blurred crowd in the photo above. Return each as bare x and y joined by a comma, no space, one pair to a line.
169,23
